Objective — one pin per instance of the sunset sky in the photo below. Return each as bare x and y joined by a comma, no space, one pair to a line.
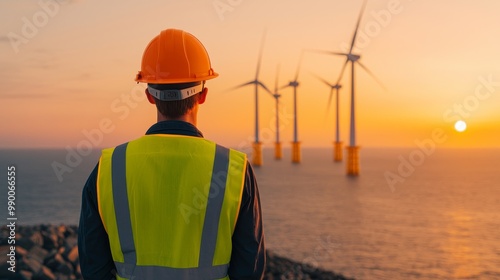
68,66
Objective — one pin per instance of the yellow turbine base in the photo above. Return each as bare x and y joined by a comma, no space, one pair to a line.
257,154
277,150
353,161
296,152
337,151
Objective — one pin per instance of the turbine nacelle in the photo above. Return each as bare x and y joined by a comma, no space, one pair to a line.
353,57
293,84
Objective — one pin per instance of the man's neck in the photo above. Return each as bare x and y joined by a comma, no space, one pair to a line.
189,118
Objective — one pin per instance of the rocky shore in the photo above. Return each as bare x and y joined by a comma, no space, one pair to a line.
50,253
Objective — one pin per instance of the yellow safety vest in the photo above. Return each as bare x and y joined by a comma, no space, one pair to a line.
169,205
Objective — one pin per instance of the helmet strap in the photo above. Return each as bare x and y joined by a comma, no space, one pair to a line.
175,94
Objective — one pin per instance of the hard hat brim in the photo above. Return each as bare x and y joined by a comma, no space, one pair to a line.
152,80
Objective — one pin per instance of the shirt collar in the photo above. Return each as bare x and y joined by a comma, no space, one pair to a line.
174,127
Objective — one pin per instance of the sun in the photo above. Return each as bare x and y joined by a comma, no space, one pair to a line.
460,126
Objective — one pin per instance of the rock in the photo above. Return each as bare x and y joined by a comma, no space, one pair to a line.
25,242
283,268
21,252
65,269
4,265
73,255
51,253
70,253
78,272
38,253
29,264
26,274
57,264
70,241
71,231
44,274
60,276
49,241
37,238
61,230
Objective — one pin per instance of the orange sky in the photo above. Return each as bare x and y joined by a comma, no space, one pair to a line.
68,67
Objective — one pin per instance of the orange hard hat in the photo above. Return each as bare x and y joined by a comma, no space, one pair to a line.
174,57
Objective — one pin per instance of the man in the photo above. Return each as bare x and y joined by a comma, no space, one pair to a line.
172,205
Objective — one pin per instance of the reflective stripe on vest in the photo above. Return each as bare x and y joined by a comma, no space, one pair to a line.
211,255
208,238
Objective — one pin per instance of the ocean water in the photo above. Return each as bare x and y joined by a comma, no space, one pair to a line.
441,220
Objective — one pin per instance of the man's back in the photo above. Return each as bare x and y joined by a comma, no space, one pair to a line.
171,187
180,198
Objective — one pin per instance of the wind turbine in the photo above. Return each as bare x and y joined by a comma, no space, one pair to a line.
295,84
257,145
352,149
277,145
337,151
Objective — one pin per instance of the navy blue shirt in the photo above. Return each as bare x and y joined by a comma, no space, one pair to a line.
248,253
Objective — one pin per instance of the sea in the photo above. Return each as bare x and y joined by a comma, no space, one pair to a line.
410,214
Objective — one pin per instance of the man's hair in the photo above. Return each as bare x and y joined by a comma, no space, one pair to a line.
177,108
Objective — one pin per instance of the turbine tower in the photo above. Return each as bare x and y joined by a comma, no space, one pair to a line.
277,145
352,149
337,149
257,145
296,158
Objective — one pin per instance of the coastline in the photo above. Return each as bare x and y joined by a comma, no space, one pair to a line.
51,252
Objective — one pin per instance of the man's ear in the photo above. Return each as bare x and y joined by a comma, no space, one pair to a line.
150,97
203,96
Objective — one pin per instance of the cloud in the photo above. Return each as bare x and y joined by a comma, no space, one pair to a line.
68,1
45,59
4,39
24,96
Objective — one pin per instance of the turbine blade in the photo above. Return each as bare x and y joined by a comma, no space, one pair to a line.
265,88
322,80
357,26
326,52
276,80
371,74
260,54
242,85
298,65
285,86
342,71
